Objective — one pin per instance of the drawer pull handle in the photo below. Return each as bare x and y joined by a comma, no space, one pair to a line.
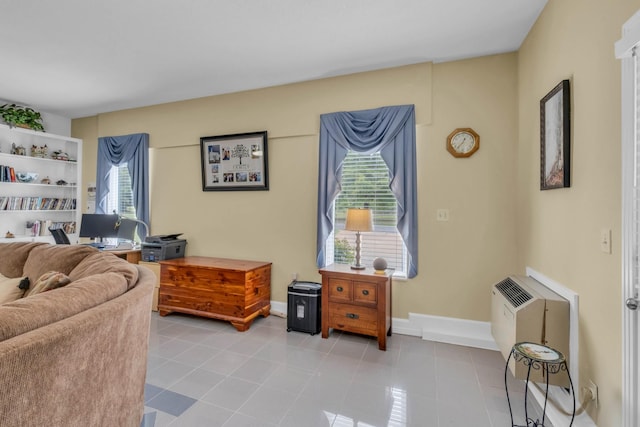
352,316
339,288
365,292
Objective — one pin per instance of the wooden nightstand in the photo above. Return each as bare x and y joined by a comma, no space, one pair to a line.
356,301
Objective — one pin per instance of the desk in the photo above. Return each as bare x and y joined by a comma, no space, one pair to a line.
234,290
537,356
130,255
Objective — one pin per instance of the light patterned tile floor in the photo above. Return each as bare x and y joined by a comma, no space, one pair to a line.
202,372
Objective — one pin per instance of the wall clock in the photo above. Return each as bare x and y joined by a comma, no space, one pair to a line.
463,142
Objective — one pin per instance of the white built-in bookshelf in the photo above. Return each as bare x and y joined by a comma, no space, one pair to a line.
56,203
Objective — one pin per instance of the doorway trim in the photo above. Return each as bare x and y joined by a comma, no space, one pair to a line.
625,50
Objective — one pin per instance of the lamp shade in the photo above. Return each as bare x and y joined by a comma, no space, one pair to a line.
358,220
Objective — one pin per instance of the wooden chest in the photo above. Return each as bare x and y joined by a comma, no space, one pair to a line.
237,291
357,301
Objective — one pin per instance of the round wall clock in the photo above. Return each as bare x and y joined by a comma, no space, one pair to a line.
463,142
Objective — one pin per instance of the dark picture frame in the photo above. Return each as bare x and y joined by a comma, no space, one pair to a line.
555,138
235,162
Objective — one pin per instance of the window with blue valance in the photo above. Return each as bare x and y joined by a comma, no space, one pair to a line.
132,150
389,131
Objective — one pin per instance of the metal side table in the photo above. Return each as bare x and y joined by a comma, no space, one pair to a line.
538,357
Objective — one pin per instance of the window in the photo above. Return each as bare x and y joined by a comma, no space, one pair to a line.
122,177
365,184
389,131
120,197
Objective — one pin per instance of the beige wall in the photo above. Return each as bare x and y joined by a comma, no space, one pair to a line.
459,259
559,230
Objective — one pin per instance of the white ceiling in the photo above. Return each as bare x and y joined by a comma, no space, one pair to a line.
77,58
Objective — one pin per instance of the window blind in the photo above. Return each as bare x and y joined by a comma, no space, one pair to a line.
120,198
365,184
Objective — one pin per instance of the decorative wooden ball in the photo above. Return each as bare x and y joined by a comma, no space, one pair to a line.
379,265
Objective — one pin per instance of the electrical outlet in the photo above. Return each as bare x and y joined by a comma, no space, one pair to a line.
294,276
442,215
590,391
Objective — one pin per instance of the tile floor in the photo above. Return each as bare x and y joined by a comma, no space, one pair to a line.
203,372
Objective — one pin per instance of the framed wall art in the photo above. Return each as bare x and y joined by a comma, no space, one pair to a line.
235,162
555,138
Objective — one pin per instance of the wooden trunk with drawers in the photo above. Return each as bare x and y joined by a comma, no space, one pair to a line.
357,301
237,291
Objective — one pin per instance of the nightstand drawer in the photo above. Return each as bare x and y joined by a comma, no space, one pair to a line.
353,318
340,290
365,293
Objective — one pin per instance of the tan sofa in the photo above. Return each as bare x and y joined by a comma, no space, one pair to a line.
76,355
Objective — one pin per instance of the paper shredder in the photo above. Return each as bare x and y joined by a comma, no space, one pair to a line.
303,307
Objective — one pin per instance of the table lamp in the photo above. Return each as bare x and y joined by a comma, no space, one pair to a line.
127,229
358,219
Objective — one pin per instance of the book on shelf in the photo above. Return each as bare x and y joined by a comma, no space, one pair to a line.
7,174
16,203
34,203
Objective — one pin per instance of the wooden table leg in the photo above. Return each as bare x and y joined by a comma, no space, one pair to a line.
242,326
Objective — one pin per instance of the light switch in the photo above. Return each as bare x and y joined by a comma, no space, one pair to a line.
605,240
442,215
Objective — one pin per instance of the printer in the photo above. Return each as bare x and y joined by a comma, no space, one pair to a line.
161,247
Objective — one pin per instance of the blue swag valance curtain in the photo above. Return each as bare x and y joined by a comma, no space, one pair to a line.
389,130
114,151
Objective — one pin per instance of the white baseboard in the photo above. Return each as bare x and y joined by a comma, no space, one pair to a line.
471,333
559,405
279,309
405,327
435,328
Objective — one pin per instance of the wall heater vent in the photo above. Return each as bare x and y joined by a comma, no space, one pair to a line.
513,292
523,309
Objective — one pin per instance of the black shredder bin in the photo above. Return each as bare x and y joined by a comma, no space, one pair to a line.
303,308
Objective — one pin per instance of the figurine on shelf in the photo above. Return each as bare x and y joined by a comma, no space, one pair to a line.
40,152
60,155
61,182
9,235
19,150
45,181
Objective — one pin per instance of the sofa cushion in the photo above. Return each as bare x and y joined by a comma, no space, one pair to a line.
9,290
103,262
48,281
14,255
62,258
27,314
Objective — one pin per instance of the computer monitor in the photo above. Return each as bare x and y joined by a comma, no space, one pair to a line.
99,226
